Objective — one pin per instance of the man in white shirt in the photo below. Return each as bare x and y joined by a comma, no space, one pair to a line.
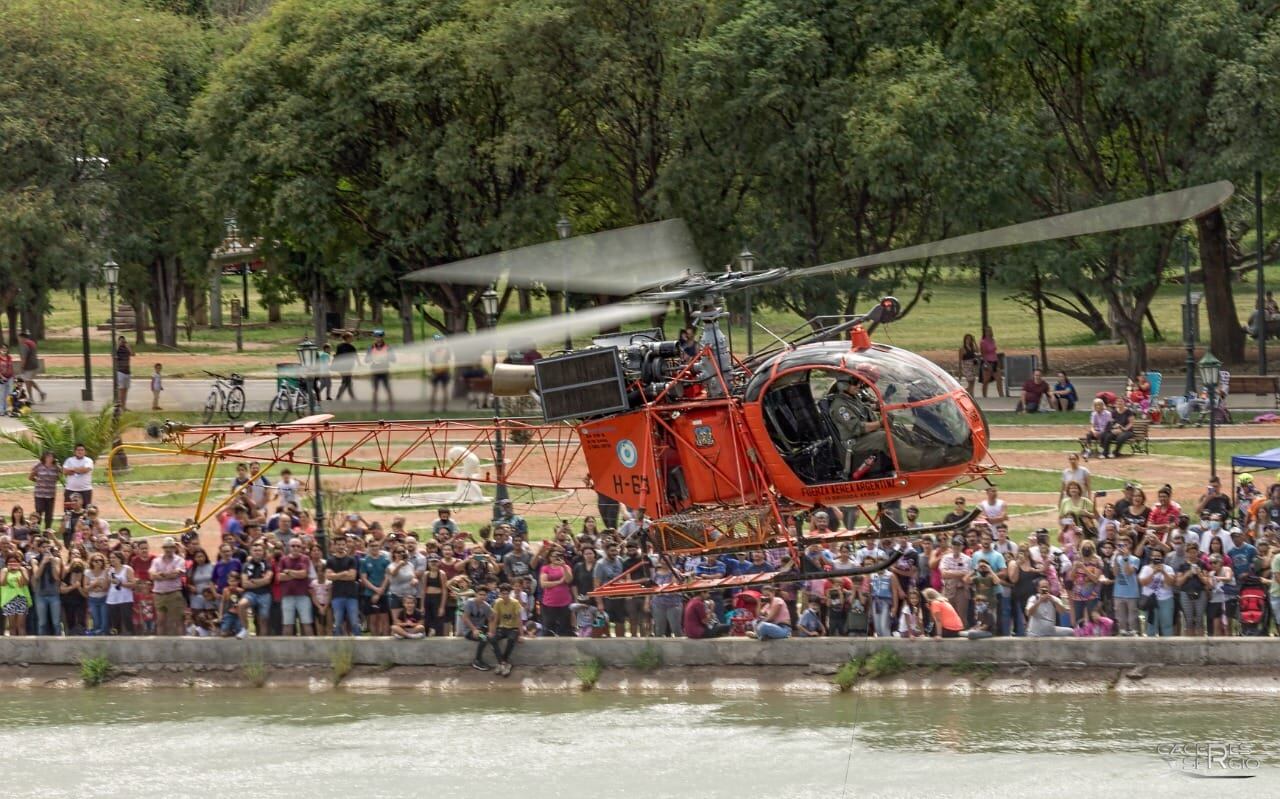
1074,473
287,489
994,509
78,470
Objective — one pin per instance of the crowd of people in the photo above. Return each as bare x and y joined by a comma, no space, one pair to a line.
1127,568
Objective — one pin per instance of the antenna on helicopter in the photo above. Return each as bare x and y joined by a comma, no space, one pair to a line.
785,344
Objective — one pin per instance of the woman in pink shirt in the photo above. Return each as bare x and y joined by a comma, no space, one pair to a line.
990,362
556,578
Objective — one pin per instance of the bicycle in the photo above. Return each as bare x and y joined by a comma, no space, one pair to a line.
226,395
290,399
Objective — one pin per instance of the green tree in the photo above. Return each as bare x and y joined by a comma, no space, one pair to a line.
816,132
1118,96
378,138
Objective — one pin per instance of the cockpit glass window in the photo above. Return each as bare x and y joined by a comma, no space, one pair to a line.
901,381
931,436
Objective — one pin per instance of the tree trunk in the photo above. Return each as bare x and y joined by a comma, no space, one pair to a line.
1226,337
1131,334
406,316
557,302
164,298
526,302
140,324
273,312
11,312
33,322
197,302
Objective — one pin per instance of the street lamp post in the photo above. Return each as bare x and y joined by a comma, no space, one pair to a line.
308,354
1189,327
564,229
747,263
1211,376
111,272
490,301
88,168
231,244
86,393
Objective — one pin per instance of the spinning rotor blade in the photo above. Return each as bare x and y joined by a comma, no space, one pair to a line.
616,262
1173,206
472,348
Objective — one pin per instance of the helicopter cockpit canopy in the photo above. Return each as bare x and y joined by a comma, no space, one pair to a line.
837,414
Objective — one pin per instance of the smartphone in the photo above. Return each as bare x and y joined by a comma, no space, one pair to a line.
1099,493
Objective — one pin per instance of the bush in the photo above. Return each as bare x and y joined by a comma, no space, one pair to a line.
847,675
884,663
649,658
255,671
59,434
589,671
95,670
342,661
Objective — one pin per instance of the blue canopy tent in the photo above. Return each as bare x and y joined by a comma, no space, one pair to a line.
1248,463
1263,460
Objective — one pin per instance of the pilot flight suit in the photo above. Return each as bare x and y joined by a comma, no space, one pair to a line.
850,413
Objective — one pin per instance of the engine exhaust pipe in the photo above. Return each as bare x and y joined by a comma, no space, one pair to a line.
512,380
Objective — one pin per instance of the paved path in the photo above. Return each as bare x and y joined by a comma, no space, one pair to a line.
64,394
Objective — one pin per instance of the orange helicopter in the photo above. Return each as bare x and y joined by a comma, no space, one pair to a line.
714,452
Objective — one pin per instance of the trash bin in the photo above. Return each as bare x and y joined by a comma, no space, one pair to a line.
1017,370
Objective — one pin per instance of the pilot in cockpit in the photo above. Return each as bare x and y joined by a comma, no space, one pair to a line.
862,430
854,411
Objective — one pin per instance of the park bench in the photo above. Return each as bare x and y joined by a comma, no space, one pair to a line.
1259,385
1140,444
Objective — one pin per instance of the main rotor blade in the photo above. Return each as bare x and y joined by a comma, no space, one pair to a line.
616,262
1172,206
473,348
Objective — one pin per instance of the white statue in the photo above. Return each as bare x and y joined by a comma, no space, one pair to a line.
464,460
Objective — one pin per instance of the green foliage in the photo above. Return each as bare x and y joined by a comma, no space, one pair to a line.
883,663
255,671
649,658
94,671
59,435
341,661
588,671
93,150
848,674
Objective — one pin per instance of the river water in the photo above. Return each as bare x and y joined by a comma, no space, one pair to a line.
260,744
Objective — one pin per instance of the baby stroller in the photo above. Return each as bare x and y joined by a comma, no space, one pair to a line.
745,605
18,403
1253,607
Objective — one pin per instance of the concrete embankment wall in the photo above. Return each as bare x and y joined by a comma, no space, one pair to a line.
1254,653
